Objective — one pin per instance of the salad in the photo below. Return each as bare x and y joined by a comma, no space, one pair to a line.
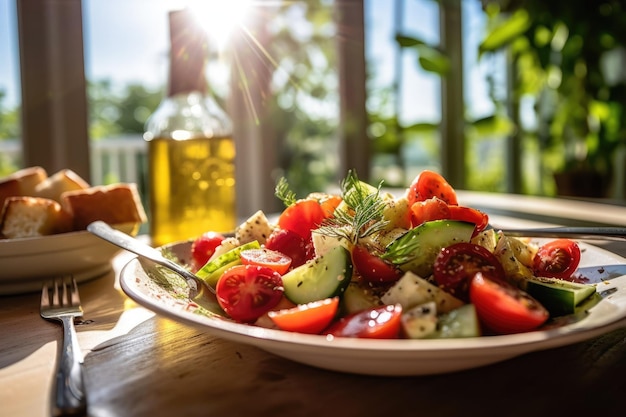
364,263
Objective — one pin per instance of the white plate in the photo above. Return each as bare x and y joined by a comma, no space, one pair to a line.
392,357
25,263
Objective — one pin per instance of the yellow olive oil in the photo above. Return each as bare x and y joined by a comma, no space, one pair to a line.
192,187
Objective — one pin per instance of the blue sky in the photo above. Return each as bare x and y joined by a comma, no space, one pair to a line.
126,41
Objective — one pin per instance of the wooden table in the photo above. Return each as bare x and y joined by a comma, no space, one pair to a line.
138,364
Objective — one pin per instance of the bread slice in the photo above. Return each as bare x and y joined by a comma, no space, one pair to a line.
33,216
58,183
113,204
21,183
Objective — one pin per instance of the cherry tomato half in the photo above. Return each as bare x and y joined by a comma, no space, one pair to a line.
302,217
504,308
427,210
245,292
430,184
372,268
456,265
272,259
291,244
309,318
557,259
203,247
380,322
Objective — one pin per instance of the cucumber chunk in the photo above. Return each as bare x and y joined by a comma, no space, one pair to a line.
560,297
417,249
326,276
357,298
213,270
412,290
460,322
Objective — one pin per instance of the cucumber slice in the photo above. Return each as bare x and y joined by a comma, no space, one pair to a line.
213,270
326,276
417,249
460,322
560,297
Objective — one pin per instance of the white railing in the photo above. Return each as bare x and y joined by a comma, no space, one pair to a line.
119,159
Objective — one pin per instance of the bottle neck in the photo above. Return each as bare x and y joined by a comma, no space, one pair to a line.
188,55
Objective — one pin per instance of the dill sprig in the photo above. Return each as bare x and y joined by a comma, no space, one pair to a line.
364,213
284,193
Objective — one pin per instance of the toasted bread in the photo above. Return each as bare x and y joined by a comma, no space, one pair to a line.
21,183
33,216
58,183
114,204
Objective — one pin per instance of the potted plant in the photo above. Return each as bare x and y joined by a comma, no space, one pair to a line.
567,60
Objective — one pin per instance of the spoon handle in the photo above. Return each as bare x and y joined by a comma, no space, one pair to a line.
589,233
124,241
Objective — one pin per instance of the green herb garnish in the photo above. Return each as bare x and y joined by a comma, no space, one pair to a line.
363,215
284,193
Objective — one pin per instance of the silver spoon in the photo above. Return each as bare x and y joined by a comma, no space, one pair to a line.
197,287
584,232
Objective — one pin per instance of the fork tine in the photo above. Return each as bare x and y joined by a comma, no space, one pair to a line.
74,294
55,292
45,295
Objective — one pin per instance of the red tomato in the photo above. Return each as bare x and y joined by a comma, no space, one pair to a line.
372,268
380,322
456,265
430,184
504,308
302,217
291,244
329,203
245,292
309,318
203,247
427,210
557,259
272,259
470,215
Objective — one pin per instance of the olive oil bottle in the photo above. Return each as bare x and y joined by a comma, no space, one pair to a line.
191,152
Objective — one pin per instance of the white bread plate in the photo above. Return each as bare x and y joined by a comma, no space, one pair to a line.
26,262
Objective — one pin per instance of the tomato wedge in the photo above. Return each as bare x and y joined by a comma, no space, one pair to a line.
430,184
372,268
301,217
470,215
557,259
456,265
504,308
427,210
272,259
380,322
328,202
245,292
309,318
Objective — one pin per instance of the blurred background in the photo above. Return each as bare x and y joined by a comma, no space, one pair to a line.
517,96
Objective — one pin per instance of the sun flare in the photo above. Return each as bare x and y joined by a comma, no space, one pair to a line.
220,18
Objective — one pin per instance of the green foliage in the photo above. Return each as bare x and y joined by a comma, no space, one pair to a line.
430,58
561,51
112,113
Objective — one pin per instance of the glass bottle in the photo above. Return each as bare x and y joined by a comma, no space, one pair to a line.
191,152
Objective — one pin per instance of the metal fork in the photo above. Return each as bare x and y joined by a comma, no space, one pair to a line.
60,301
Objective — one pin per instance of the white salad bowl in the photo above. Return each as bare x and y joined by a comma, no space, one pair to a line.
154,290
